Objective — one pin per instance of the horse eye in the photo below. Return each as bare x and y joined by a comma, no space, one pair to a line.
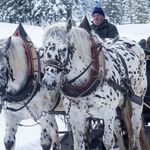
2,69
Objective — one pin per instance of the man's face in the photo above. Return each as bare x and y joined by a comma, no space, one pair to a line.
98,19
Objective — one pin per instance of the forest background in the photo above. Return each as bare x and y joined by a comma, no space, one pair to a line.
34,11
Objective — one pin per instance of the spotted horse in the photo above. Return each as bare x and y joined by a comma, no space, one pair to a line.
72,66
21,96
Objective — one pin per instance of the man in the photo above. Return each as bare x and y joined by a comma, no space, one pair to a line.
142,43
101,26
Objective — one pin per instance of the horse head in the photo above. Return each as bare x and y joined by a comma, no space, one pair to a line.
55,49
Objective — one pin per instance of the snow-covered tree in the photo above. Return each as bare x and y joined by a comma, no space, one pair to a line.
34,11
15,11
113,10
140,11
126,14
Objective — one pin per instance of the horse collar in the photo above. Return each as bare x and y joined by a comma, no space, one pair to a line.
31,87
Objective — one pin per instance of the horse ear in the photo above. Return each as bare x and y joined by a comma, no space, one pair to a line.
69,24
45,25
86,25
7,45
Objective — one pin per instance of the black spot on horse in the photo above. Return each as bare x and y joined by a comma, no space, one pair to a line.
110,92
90,106
48,55
107,96
128,59
129,45
55,146
52,125
98,96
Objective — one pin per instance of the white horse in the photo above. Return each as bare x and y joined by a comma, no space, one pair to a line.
15,80
71,67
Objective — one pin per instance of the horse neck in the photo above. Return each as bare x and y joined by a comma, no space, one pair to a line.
81,58
18,64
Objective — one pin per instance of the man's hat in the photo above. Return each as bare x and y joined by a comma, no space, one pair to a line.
98,10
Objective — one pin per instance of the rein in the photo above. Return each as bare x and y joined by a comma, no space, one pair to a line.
96,46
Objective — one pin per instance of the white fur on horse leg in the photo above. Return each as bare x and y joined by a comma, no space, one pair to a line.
118,133
108,137
49,133
136,124
54,133
11,123
78,134
78,125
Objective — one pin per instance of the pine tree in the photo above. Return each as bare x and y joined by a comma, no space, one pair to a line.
34,11
140,11
126,15
113,11
15,11
50,10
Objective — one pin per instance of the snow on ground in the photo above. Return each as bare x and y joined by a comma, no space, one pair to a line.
27,138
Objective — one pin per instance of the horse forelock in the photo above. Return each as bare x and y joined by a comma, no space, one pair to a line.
55,30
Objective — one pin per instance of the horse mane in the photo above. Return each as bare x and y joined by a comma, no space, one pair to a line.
18,62
78,36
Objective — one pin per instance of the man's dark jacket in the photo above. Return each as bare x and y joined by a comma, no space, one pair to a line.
105,30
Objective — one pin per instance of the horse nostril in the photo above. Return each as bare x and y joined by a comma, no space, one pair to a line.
2,69
54,84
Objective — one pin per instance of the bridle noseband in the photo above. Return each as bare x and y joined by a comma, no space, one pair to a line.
55,64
